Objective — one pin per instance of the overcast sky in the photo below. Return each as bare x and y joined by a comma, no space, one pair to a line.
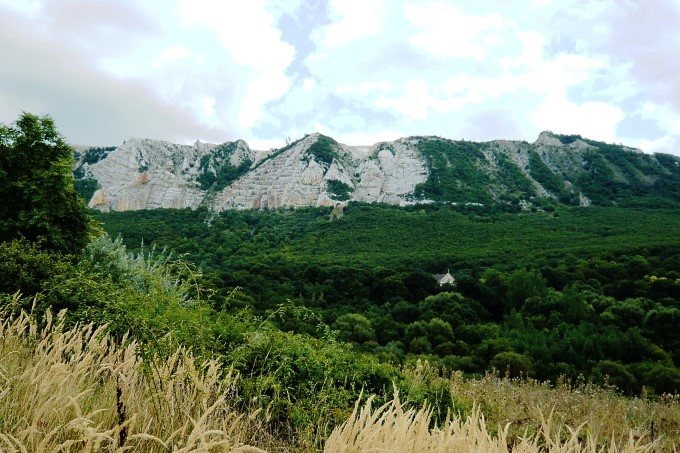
360,71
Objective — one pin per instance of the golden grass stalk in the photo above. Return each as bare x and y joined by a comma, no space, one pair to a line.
602,412
78,391
391,428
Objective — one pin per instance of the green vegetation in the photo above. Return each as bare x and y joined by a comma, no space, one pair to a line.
84,185
323,150
454,172
217,172
613,174
535,293
37,198
338,190
93,155
469,172
543,175
512,181
568,139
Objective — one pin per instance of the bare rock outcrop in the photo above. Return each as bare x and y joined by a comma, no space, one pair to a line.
148,174
293,179
318,171
391,173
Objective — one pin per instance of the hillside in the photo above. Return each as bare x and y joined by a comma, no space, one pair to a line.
318,171
59,395
576,292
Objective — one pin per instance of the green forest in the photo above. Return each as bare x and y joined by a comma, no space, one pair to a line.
590,292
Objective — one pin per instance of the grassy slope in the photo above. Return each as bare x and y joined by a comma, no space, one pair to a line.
77,390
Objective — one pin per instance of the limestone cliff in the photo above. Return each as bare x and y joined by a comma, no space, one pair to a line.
318,171
148,174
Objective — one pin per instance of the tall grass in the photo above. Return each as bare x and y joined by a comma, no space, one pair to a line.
391,428
76,390
601,411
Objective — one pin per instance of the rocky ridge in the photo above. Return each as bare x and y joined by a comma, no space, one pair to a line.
318,171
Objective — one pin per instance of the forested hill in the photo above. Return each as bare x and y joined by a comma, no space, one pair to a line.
576,292
318,171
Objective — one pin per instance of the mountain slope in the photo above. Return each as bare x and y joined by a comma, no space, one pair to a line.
318,171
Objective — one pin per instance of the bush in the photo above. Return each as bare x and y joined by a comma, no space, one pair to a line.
512,363
26,268
613,373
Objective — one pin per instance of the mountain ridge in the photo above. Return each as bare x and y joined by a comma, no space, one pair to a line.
316,170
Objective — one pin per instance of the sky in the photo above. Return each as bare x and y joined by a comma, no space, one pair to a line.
360,71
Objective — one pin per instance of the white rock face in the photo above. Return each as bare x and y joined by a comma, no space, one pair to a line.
283,180
547,139
148,174
293,180
391,173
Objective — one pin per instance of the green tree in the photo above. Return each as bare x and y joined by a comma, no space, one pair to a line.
415,330
523,284
439,331
37,198
420,345
661,325
512,363
615,374
355,328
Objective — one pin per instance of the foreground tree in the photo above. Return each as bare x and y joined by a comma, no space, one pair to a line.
37,199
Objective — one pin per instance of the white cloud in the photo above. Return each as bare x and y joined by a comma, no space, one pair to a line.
266,144
414,104
351,20
364,88
279,7
434,77
446,31
370,138
171,54
668,121
208,103
596,120
259,92
248,32
26,7
366,69
308,84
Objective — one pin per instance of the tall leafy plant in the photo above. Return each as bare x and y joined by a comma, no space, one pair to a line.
37,198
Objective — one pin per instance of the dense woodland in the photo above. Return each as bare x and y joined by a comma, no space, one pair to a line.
590,292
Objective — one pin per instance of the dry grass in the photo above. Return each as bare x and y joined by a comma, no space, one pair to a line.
393,429
75,390
602,412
